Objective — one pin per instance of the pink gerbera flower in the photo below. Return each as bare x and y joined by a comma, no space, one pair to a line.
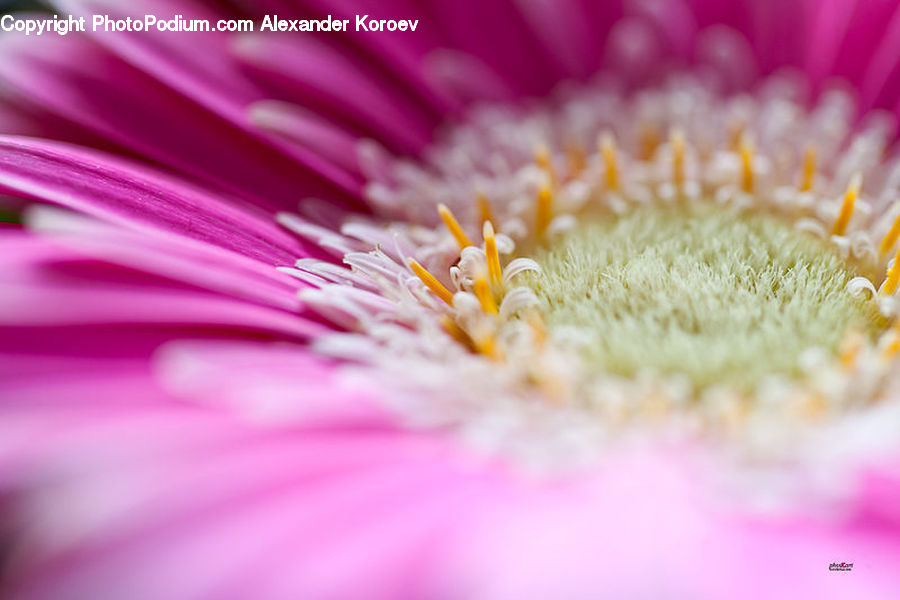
569,300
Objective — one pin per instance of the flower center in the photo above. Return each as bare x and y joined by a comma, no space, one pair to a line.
698,291
553,278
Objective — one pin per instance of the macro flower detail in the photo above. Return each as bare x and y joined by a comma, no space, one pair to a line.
527,300
737,262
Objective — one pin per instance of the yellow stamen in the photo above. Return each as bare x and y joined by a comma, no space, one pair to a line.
484,208
456,332
486,345
534,320
555,386
814,405
431,282
610,160
892,346
543,159
648,139
736,129
678,150
893,277
843,219
491,254
888,241
746,151
809,169
577,157
850,348
544,211
484,295
453,225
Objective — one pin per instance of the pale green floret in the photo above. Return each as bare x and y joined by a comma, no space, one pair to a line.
720,298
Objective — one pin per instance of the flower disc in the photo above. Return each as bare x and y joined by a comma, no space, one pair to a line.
719,297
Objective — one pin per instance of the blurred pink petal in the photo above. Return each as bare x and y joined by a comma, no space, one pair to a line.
134,196
79,81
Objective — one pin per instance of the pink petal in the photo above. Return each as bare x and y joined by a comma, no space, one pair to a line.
327,82
125,534
126,194
644,526
77,80
307,129
46,286
277,383
175,257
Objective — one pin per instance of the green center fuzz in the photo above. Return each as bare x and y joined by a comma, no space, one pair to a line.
723,299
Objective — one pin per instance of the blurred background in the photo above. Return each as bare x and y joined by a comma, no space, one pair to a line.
6,215
17,5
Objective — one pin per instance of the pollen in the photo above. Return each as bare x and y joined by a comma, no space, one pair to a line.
678,150
544,211
891,342
538,327
577,158
893,276
456,332
737,130
610,160
453,226
484,208
484,294
486,344
846,213
649,137
853,343
809,169
544,159
491,255
746,152
890,238
431,282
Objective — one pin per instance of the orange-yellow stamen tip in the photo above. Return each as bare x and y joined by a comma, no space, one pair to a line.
610,160
542,156
538,327
544,211
491,255
484,208
483,292
736,133
851,348
893,277
456,332
486,344
891,341
890,238
746,152
649,139
577,157
809,169
679,145
453,226
843,219
431,282
544,160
